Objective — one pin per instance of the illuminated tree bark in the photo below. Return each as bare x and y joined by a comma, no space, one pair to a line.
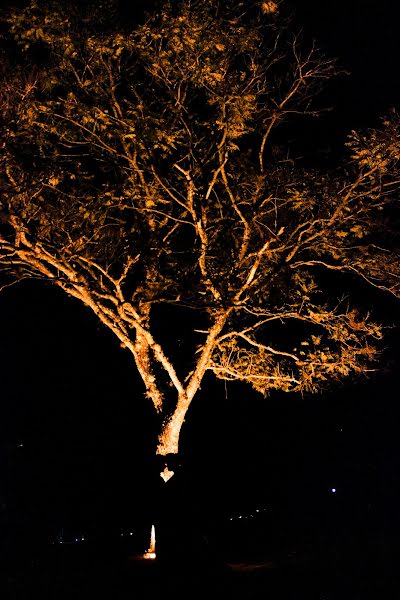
138,171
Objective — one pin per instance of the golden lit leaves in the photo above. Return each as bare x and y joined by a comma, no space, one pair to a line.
358,231
240,112
377,149
316,339
269,7
343,344
197,47
302,199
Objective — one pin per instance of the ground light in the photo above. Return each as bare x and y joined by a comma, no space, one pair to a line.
151,552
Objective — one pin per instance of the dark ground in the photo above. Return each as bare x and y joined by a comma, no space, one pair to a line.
330,554
87,576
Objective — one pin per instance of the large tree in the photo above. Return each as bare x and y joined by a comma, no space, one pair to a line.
142,168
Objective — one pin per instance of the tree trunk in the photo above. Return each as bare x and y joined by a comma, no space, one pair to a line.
170,503
168,438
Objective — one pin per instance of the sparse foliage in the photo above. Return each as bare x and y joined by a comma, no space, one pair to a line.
137,171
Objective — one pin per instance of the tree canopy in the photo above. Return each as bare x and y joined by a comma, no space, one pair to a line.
140,169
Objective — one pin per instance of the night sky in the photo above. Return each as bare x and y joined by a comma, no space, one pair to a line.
76,438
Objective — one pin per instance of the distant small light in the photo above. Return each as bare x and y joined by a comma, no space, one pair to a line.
122,535
82,538
240,516
231,519
257,510
131,533
333,490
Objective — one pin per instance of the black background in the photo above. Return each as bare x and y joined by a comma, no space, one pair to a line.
77,435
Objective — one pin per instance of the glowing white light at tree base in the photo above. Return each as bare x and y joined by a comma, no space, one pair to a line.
151,552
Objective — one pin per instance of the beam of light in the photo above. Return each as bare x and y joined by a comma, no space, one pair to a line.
151,552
